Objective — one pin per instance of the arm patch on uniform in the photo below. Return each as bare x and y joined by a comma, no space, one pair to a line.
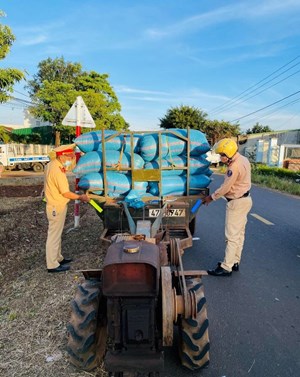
229,173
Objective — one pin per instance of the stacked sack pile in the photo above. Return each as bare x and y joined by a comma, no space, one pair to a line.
145,156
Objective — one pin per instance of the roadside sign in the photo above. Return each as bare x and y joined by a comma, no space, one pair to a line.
79,115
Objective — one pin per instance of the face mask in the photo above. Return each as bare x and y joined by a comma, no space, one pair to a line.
67,164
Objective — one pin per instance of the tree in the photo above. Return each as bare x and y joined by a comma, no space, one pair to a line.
183,117
216,130
8,76
55,87
4,135
186,116
258,129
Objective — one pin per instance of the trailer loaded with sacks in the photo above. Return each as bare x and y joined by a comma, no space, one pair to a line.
150,186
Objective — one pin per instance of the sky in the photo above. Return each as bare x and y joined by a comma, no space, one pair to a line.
236,60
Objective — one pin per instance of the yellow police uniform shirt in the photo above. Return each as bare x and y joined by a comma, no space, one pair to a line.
56,184
237,179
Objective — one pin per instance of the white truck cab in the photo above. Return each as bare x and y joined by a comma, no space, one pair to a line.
24,156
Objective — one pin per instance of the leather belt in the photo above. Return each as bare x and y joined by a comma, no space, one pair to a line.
243,196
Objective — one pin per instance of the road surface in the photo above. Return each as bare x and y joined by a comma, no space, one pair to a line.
254,315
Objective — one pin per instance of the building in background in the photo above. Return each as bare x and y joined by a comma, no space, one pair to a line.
31,127
28,122
277,149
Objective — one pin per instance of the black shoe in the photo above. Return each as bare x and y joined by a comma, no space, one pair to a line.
219,271
235,267
66,260
59,269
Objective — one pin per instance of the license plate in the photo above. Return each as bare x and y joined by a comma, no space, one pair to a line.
173,212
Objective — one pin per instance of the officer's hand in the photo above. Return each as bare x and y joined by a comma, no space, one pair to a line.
84,198
208,199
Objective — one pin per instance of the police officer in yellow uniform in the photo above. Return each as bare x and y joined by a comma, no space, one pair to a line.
236,190
58,194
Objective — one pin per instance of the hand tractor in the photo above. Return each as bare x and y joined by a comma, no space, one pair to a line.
125,312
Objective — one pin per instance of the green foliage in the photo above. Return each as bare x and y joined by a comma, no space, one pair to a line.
183,117
258,129
260,169
216,130
36,135
57,85
4,135
274,178
277,183
53,100
8,76
186,116
54,70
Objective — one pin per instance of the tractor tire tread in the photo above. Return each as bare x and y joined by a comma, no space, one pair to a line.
194,340
86,331
73,333
77,309
202,330
88,319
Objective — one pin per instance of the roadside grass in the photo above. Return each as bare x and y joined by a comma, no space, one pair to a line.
271,181
281,184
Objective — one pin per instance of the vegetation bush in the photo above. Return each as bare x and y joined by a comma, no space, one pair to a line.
260,169
274,178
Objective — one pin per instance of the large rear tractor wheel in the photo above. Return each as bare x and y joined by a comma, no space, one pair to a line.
194,340
87,330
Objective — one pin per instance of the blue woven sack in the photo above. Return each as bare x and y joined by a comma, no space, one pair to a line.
198,165
117,184
173,164
198,141
92,141
176,185
91,162
197,182
149,146
134,198
172,144
171,185
92,182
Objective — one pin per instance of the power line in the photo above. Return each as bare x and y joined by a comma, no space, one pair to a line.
22,94
288,120
256,94
22,100
12,105
265,107
273,111
234,99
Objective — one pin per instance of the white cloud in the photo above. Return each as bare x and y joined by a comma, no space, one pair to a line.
237,11
126,89
34,40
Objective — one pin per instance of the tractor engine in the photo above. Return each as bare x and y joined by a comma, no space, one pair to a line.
130,283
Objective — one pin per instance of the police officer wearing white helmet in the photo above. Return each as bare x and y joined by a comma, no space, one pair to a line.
236,190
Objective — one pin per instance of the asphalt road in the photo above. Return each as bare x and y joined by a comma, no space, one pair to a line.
253,315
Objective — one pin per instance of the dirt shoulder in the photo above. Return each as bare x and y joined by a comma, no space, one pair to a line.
35,305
